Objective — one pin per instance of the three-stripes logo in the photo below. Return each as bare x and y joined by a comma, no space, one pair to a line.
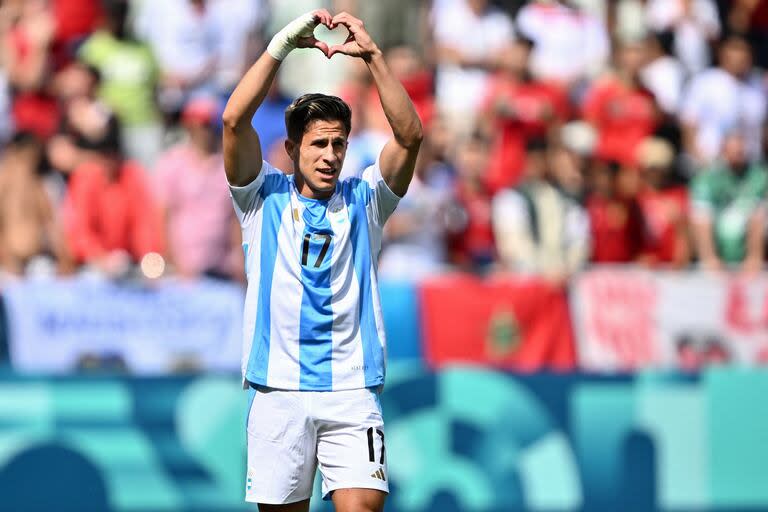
379,474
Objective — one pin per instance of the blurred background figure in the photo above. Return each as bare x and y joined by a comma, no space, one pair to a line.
129,79
464,63
722,99
416,232
518,108
470,244
185,39
29,226
664,204
539,228
694,25
728,201
110,214
620,109
570,45
202,235
616,221
27,38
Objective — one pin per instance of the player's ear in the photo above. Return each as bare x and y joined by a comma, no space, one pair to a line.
290,148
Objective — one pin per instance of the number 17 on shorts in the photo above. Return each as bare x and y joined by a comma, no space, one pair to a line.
292,433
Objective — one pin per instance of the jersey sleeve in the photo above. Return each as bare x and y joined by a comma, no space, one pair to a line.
382,201
248,199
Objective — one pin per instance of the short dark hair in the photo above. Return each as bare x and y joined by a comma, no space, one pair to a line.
311,107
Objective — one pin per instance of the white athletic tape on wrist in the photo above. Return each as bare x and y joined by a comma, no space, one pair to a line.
287,39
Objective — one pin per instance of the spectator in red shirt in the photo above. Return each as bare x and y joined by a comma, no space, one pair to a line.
110,215
26,54
471,243
622,111
665,207
518,109
615,218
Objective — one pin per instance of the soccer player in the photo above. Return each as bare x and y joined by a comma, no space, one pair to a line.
314,341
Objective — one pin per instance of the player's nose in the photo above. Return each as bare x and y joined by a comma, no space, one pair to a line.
329,155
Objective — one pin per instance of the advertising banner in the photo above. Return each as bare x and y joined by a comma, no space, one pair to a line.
627,319
457,440
81,323
512,322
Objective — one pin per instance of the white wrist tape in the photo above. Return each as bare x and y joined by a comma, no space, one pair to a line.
287,39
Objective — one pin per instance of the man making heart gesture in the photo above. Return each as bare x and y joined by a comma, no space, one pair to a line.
313,348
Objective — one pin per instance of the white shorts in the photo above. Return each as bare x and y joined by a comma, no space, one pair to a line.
290,433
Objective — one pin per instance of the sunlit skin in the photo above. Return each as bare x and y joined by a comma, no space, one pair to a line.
318,158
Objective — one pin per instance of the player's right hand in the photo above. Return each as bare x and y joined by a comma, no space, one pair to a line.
308,40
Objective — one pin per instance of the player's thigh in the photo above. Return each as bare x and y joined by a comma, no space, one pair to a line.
281,449
301,506
350,442
358,500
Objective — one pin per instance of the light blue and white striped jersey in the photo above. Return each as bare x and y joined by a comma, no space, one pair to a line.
312,318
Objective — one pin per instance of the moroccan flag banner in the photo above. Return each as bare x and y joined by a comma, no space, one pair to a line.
509,322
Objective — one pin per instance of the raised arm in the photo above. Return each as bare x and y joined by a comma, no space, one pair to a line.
398,157
242,148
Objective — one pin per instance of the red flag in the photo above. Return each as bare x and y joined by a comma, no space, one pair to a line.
511,323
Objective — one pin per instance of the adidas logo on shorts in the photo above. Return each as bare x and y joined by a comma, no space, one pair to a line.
379,474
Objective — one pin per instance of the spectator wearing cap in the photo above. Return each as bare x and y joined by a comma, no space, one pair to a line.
620,109
664,206
129,76
201,231
728,209
109,212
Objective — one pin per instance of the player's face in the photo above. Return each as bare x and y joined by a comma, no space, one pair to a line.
318,158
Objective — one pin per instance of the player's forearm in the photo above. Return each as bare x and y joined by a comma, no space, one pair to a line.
400,112
250,93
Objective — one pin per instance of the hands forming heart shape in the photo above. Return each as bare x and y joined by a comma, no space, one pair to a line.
357,44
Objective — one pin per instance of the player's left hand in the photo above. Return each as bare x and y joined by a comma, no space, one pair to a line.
358,44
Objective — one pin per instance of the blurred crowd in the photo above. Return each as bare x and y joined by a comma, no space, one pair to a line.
559,133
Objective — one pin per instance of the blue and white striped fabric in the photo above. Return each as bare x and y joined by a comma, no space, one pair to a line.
312,317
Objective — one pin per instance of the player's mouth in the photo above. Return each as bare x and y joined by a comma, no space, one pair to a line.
327,171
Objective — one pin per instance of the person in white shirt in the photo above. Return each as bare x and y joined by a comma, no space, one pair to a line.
470,36
313,340
663,75
695,24
569,45
185,38
729,97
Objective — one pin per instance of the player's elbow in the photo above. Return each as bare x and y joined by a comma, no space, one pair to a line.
412,137
230,119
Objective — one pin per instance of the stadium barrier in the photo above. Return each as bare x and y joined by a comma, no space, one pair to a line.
459,440
628,319
609,320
